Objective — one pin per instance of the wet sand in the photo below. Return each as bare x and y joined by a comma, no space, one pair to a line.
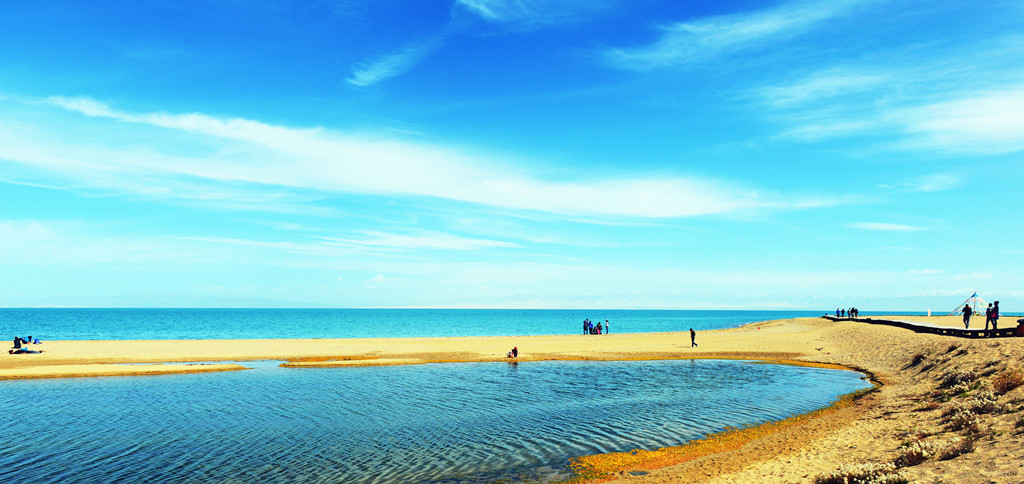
911,406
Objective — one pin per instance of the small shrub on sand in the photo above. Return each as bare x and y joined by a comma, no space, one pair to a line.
916,360
957,375
914,453
928,406
960,388
983,401
962,418
953,347
872,473
1006,382
958,446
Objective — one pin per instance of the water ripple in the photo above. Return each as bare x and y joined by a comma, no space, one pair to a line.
453,423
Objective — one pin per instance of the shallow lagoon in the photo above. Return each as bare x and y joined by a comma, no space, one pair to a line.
469,422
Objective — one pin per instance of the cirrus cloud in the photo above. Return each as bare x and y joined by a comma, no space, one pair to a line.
242,159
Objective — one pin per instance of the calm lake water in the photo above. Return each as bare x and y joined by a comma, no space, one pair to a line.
443,423
121,324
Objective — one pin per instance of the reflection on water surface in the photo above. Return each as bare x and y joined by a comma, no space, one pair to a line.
472,422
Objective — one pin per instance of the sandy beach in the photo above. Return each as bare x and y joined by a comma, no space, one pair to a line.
948,409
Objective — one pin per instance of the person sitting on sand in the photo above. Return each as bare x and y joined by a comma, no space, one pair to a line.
18,347
514,353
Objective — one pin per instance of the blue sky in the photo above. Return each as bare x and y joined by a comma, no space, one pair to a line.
522,154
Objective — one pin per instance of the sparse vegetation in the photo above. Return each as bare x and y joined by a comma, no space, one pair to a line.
916,360
962,418
871,473
957,447
1006,382
914,453
983,401
927,406
960,389
956,376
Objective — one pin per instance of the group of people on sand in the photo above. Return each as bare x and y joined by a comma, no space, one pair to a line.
991,315
851,313
589,328
514,353
21,345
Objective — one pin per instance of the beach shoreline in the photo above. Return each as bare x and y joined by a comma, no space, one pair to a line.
909,406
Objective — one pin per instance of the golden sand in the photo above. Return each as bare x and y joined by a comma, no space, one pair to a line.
912,407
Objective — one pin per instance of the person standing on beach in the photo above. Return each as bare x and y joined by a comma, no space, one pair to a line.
693,338
988,316
586,330
967,315
606,330
995,314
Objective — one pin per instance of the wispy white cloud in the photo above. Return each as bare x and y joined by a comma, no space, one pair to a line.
982,122
393,64
964,122
883,227
937,182
821,85
709,38
420,240
75,244
241,156
930,183
963,99
973,276
532,12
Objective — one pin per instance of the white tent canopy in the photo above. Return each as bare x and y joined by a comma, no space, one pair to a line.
976,303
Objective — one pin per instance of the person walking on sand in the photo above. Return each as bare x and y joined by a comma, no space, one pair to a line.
995,314
967,315
693,338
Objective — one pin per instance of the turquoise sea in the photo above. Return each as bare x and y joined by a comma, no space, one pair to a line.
440,423
121,324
